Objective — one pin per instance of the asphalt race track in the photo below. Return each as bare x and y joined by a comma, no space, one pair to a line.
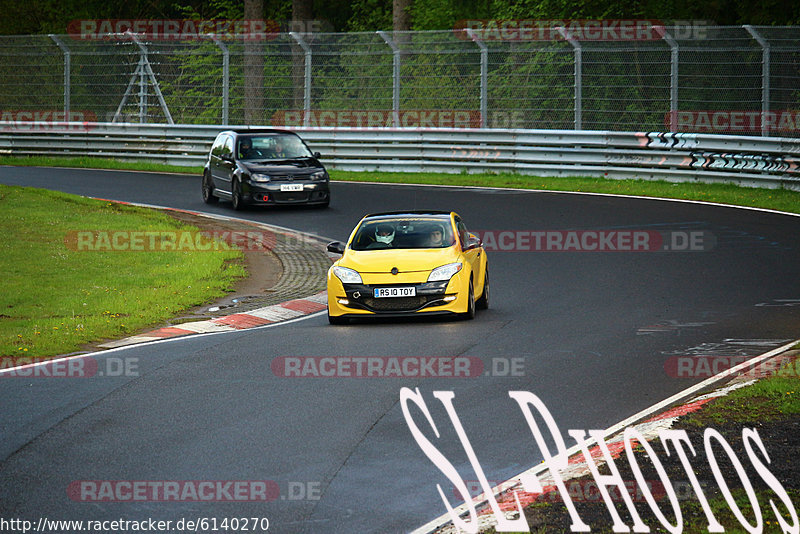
592,334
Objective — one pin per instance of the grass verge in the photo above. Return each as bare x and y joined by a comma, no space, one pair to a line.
770,399
775,199
56,298
96,163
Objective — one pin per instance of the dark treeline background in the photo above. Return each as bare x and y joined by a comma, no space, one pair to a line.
53,16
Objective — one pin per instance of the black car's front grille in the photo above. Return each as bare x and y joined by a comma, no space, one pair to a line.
294,196
289,177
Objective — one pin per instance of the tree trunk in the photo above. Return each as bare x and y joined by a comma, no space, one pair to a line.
401,20
253,68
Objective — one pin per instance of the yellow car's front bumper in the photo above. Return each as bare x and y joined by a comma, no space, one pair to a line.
431,298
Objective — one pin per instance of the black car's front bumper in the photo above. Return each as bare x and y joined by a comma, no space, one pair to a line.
270,193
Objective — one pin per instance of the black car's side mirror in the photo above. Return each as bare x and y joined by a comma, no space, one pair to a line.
317,155
336,247
226,157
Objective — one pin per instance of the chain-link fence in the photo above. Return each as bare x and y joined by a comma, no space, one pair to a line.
743,80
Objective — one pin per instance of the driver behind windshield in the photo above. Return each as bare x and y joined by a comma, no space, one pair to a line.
280,151
384,235
246,150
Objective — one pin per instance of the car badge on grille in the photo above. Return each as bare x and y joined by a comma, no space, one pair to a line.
394,270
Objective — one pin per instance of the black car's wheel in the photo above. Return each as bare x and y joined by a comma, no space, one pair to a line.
483,302
470,313
236,196
337,320
208,190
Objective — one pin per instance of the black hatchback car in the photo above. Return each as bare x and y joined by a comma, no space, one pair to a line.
264,167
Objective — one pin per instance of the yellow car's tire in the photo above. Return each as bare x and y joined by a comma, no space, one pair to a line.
470,313
483,302
337,320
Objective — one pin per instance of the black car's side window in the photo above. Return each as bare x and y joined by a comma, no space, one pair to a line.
216,148
228,147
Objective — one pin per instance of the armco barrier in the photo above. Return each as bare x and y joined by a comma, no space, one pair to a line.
751,161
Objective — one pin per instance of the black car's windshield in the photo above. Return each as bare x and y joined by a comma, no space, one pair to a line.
403,234
274,146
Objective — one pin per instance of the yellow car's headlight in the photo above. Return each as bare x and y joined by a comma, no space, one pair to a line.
348,276
445,272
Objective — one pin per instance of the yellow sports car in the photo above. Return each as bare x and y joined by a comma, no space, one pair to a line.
408,263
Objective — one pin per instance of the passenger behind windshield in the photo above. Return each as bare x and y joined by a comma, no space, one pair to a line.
403,234
272,147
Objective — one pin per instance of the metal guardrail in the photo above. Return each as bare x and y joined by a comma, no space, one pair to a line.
746,160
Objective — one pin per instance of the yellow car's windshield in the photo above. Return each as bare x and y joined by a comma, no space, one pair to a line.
409,233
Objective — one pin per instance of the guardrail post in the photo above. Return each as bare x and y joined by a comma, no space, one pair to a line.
395,77
673,79
764,77
67,69
307,78
576,45
226,68
484,76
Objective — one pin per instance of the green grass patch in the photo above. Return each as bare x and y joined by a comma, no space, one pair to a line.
775,199
769,399
554,518
56,298
87,162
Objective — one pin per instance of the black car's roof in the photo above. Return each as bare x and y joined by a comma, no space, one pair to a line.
411,213
248,131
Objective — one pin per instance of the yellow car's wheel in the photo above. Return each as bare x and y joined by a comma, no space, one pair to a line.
337,320
483,302
470,313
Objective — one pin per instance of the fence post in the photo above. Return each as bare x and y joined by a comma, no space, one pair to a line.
673,79
146,71
576,45
67,69
307,78
226,67
395,77
764,77
484,76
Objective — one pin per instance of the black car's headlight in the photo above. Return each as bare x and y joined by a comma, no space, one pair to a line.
258,177
319,175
